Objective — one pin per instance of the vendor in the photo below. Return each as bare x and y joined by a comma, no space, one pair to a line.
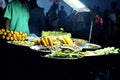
17,14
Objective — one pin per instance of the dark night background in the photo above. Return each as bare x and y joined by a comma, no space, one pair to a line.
82,29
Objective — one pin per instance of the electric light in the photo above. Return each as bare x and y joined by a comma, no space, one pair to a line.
77,5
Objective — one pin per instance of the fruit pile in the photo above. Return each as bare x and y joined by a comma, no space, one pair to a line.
48,41
13,35
67,40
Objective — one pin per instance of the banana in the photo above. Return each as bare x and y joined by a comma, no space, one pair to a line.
69,41
63,41
46,40
50,41
43,41
39,41
66,41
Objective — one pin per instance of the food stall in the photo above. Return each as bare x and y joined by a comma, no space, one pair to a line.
57,52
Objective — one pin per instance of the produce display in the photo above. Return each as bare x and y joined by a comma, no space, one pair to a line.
13,35
57,44
55,35
48,41
71,53
64,53
23,43
104,51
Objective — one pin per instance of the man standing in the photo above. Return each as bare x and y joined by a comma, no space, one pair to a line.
17,14
62,17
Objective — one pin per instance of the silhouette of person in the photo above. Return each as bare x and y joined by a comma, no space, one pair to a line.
112,18
37,18
47,22
52,16
70,21
1,14
62,17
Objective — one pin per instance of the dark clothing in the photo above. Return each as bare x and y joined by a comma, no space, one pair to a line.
37,20
61,18
1,18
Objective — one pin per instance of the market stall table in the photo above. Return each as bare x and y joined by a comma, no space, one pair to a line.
29,64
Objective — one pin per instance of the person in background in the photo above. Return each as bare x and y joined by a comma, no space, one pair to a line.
98,32
52,17
62,17
70,19
37,18
1,14
6,2
98,20
3,20
112,27
17,14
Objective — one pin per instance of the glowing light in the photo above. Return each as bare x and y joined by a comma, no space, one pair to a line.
77,5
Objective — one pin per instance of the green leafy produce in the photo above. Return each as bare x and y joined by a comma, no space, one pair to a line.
64,53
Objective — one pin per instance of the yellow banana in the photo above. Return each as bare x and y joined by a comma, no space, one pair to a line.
43,41
64,41
46,40
50,41
69,41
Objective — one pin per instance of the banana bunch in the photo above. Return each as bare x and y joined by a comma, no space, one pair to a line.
37,41
66,40
46,41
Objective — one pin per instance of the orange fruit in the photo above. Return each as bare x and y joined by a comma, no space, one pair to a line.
11,32
7,38
5,33
3,30
11,38
3,37
20,32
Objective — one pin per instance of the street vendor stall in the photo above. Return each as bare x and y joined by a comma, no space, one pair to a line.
29,64
46,57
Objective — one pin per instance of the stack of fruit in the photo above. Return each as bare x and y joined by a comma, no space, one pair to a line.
67,40
48,41
13,35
